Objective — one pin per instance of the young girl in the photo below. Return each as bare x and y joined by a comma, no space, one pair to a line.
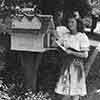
76,46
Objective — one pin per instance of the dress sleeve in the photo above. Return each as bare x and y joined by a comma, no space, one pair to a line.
60,41
84,44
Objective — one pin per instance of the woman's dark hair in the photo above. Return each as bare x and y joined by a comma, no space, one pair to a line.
80,26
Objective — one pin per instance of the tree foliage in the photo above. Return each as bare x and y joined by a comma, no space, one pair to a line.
67,5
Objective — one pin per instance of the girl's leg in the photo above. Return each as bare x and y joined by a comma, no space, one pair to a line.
58,96
61,97
75,98
67,97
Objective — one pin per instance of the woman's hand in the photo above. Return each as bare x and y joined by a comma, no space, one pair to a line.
78,54
68,51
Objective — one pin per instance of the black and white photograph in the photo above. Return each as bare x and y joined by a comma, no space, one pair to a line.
49,49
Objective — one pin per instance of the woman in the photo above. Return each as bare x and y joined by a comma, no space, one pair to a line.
76,46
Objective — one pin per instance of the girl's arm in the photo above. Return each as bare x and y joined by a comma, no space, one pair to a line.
83,54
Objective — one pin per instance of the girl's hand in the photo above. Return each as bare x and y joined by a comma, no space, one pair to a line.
68,51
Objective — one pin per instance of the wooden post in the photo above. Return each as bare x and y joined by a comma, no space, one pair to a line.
30,62
91,59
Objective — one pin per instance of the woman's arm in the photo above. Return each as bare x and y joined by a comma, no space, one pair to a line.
83,54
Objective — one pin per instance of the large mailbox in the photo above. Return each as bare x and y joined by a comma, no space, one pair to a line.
32,32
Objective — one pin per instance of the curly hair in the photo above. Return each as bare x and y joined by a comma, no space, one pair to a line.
80,26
